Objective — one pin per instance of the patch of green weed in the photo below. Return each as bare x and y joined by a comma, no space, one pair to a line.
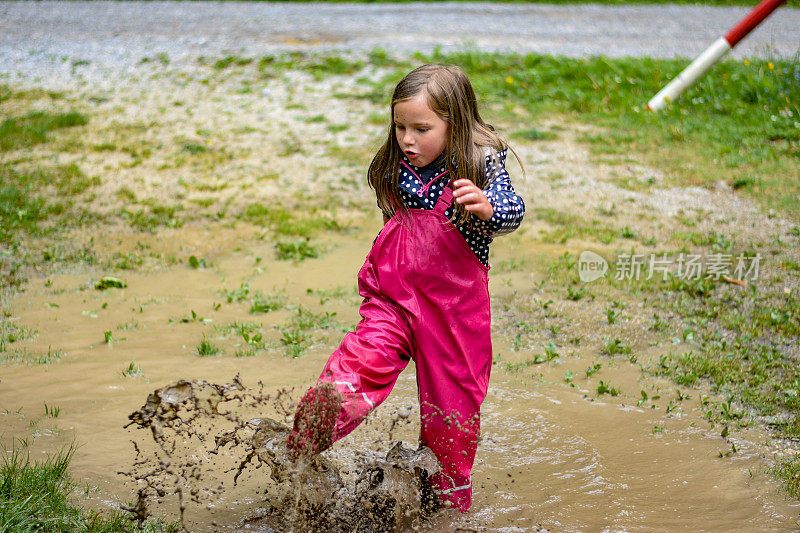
295,250
206,348
33,127
35,496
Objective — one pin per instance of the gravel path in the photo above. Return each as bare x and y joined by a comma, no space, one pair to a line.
34,36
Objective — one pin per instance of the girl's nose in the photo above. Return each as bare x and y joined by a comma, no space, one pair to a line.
408,139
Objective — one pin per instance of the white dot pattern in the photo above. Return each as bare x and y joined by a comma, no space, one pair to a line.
508,206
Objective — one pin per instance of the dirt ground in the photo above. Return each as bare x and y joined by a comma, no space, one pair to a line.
194,173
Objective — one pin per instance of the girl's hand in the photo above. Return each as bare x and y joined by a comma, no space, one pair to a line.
467,193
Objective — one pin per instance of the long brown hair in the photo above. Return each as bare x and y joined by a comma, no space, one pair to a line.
449,94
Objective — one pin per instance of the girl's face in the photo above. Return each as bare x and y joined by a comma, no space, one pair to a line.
421,133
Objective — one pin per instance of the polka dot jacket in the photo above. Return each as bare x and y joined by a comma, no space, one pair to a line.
508,207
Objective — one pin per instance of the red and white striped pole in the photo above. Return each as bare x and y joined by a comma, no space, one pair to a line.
712,54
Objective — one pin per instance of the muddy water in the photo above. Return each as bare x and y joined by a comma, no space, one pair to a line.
552,455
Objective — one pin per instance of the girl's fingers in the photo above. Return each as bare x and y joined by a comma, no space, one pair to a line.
462,186
471,198
466,189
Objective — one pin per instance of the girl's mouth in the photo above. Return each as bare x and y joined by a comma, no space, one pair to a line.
411,155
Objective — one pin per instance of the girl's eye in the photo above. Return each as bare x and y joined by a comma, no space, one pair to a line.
422,130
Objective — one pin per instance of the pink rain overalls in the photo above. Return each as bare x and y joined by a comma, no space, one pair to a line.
426,298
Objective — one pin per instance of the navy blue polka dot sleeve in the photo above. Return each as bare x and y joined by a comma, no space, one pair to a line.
508,206
420,188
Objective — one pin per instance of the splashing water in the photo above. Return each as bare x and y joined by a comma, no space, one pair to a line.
202,442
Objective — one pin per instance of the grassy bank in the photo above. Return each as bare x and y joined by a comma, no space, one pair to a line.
740,125
35,496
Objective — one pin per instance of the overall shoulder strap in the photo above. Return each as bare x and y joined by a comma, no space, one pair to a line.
445,199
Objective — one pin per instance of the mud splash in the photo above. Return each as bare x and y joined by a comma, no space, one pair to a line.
202,441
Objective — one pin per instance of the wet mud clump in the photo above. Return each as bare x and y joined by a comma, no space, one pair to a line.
207,449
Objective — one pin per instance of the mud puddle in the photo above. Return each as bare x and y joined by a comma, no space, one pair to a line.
554,454
197,427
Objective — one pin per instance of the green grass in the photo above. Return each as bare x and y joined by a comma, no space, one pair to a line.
206,348
23,356
289,222
607,388
132,370
11,333
31,202
153,216
35,496
295,250
269,66
33,128
297,332
37,199
259,302
789,469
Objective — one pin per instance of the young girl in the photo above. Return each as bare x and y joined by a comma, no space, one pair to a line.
444,192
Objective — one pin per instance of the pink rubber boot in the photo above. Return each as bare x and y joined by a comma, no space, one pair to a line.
314,420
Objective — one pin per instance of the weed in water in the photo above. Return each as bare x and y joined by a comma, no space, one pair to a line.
239,328
246,352
643,399
591,370
305,319
265,304
51,411
516,367
32,197
132,370
295,250
550,351
295,341
604,388
238,295
296,334
28,358
339,293
614,347
186,319
11,333
206,348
